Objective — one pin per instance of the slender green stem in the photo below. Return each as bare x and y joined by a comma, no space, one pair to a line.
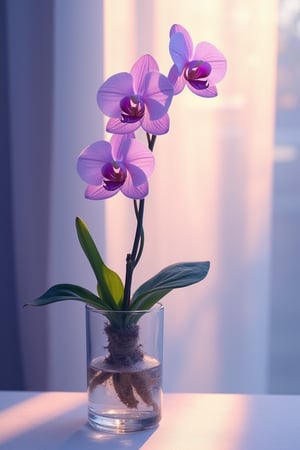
151,141
138,244
131,259
142,238
128,280
139,230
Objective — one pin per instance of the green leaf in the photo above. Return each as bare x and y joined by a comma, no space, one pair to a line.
61,292
172,277
110,287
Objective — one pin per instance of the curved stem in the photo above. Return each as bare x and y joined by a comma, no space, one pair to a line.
140,251
138,244
151,141
142,238
139,230
131,259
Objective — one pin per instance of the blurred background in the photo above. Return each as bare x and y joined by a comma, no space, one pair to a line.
225,189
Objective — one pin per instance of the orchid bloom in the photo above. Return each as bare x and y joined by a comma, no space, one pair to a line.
139,98
123,164
199,68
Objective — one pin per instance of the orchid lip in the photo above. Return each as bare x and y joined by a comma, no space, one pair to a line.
114,174
199,84
132,108
197,70
112,185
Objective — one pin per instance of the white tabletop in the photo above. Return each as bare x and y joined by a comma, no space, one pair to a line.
57,420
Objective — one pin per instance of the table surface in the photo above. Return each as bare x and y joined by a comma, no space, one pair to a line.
58,420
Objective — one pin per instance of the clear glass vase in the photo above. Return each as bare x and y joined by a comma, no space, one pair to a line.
124,362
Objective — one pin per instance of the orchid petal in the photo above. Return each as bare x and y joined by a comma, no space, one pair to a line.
188,40
99,192
157,127
118,127
139,71
132,191
135,153
112,91
116,143
137,175
178,81
91,160
120,147
179,51
158,94
209,53
211,91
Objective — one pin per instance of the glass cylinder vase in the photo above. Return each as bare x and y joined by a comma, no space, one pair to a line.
124,368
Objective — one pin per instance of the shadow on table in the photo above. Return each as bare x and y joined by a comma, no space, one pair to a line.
86,438
52,421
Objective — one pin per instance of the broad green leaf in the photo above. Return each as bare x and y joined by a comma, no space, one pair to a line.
172,277
110,287
61,292
113,283
148,299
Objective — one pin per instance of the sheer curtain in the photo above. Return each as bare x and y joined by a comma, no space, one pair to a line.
11,376
210,195
55,67
29,27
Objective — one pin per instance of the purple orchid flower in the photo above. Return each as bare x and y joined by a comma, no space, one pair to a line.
123,164
139,98
199,68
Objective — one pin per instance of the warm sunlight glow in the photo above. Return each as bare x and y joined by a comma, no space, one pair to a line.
215,417
37,410
210,194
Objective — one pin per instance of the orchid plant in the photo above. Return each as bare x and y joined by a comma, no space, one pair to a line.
138,99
